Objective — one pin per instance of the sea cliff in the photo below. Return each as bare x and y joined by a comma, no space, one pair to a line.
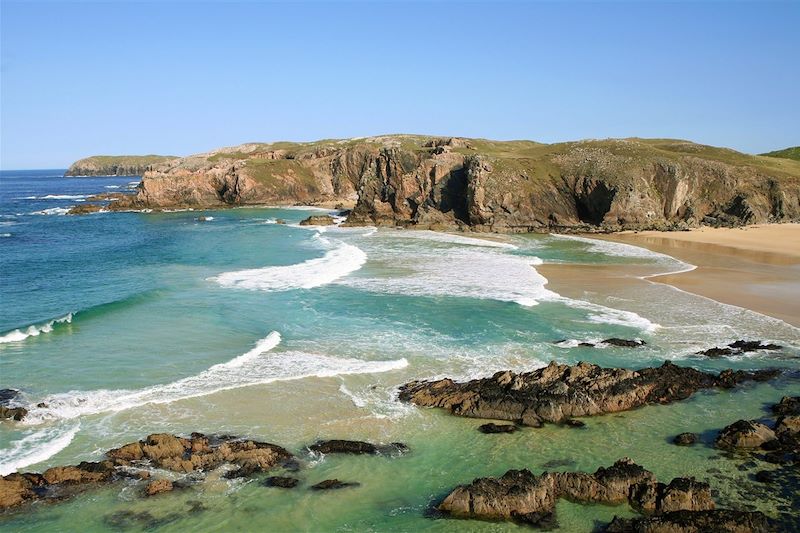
116,165
482,185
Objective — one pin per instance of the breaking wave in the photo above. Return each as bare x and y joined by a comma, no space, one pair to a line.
19,335
256,367
35,447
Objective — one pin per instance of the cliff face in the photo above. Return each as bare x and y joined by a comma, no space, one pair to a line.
122,165
445,183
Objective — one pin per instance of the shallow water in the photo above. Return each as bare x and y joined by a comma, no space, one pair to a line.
288,334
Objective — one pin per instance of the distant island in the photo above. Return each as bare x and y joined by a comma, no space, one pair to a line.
116,165
446,183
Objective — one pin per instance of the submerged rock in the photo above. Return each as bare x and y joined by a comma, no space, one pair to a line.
281,482
694,522
357,447
558,392
623,343
331,484
519,495
497,428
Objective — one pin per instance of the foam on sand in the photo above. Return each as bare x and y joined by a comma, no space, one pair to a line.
19,335
453,239
255,367
35,447
338,262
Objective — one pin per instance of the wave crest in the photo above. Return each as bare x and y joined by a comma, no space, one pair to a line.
19,335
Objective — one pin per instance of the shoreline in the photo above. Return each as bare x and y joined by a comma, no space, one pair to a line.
755,267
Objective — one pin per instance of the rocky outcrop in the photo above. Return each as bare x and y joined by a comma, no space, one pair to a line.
497,428
123,165
739,347
198,453
685,439
744,434
318,220
356,447
333,484
558,392
9,407
281,482
517,186
730,521
521,496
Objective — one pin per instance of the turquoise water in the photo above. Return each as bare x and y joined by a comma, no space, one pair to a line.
125,324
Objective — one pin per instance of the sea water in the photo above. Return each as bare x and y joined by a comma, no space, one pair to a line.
124,324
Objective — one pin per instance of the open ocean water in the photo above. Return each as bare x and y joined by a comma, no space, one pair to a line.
126,324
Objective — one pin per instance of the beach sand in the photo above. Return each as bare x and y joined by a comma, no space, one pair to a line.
755,267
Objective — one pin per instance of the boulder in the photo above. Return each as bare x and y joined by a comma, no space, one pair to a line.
559,392
318,220
13,413
788,425
789,405
744,434
685,439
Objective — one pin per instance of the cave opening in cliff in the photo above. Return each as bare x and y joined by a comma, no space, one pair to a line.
454,195
593,201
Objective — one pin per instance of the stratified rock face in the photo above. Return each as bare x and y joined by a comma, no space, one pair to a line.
516,186
522,496
558,392
714,520
122,165
177,454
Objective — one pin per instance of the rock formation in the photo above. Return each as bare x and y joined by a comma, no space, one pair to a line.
521,496
558,392
122,165
356,447
713,520
740,347
514,186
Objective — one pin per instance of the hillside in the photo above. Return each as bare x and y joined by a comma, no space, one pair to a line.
116,165
508,186
786,153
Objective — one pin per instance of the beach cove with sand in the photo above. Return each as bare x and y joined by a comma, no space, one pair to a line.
227,322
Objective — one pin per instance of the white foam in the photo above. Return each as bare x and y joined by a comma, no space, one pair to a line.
112,186
335,264
5,235
35,447
453,239
616,249
52,211
19,335
607,315
255,367
63,197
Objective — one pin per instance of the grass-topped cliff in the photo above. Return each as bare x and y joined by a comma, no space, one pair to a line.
116,165
449,182
786,153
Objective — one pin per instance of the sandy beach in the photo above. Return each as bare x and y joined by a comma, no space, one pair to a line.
755,267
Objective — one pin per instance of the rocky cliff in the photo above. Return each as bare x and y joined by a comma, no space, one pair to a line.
117,165
510,186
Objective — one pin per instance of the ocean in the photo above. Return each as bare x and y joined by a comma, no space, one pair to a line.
225,321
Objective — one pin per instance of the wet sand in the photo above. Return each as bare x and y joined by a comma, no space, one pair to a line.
757,267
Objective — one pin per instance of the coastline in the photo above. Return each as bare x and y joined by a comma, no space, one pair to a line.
754,267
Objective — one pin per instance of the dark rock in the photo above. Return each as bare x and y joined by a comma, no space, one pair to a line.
281,482
704,521
357,447
744,434
318,220
330,484
586,344
520,493
497,428
789,405
280,221
571,422
739,347
685,439
764,476
624,343
7,395
559,392
14,413
716,352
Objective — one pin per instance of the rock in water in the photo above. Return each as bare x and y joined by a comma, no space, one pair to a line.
331,484
497,428
739,347
318,220
281,482
623,343
744,434
558,392
522,496
685,439
357,447
716,520
157,486
789,405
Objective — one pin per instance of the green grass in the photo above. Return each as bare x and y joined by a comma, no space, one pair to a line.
786,153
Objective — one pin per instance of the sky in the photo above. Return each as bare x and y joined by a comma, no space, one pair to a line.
175,78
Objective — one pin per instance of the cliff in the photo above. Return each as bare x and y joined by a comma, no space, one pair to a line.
509,186
116,165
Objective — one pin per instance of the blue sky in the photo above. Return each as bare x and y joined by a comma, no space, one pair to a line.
177,78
